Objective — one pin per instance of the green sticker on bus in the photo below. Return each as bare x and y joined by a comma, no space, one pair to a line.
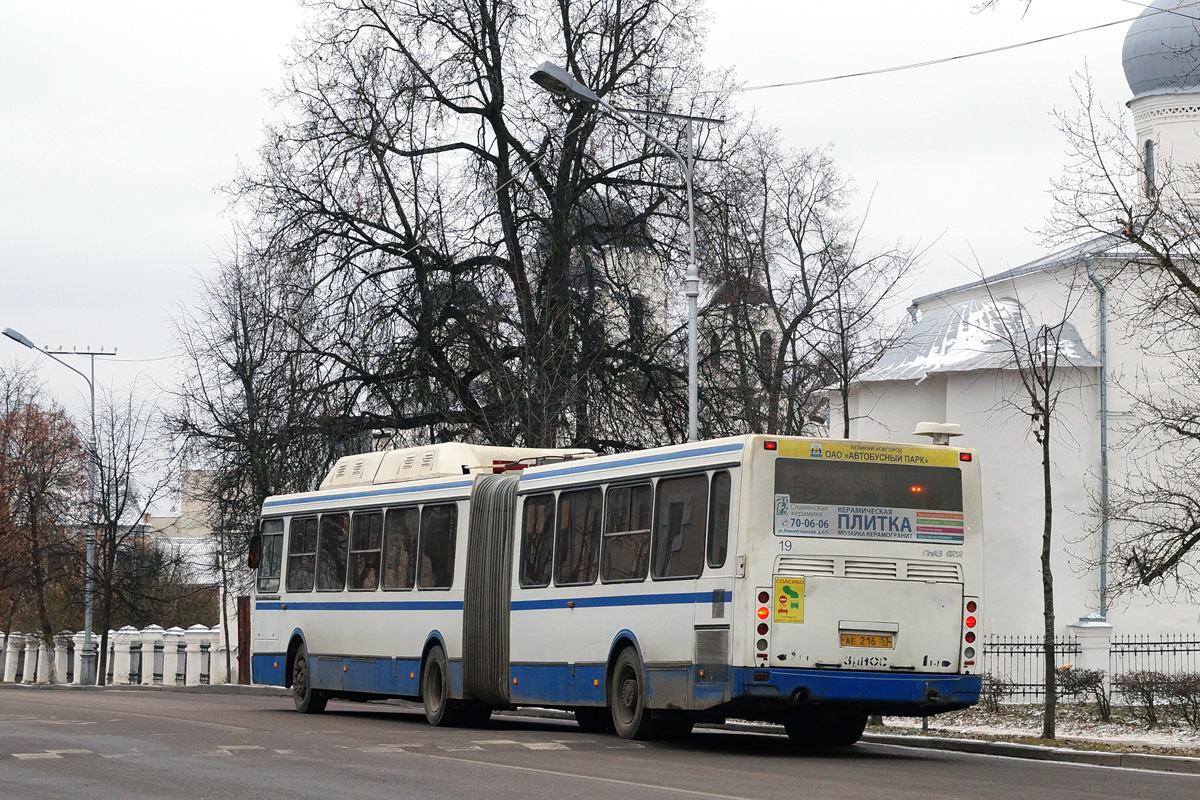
789,599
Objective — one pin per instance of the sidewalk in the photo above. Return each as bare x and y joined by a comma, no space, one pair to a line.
1178,764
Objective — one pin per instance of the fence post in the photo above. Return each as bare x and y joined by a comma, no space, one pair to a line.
174,657
195,636
12,650
33,646
216,661
78,670
121,655
3,654
62,657
1094,635
152,639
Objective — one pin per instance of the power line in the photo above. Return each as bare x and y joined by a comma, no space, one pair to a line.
962,56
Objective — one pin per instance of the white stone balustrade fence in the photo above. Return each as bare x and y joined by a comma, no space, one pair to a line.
149,657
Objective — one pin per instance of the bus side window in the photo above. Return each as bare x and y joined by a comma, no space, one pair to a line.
578,538
270,561
537,541
718,520
366,541
679,521
400,548
331,552
437,545
626,554
302,554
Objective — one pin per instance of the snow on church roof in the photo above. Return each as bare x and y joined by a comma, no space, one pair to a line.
971,335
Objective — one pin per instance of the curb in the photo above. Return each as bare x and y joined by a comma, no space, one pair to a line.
1036,752
220,688
1033,752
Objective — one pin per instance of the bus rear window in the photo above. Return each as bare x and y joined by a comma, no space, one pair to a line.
839,483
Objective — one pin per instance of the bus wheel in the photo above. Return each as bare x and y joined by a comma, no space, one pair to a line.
630,717
814,729
308,700
435,690
594,719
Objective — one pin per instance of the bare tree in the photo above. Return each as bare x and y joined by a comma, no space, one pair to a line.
42,480
796,303
1149,222
135,469
1046,359
456,232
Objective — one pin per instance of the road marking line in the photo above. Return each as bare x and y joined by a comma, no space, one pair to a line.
546,746
614,781
30,756
285,752
383,748
69,752
495,741
460,749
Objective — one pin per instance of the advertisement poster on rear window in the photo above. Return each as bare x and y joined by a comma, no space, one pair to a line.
853,490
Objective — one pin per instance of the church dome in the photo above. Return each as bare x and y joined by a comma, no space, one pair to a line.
1162,49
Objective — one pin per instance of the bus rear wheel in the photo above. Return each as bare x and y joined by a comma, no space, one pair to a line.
627,693
821,728
308,700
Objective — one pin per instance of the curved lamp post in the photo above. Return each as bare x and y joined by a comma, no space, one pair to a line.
560,83
88,660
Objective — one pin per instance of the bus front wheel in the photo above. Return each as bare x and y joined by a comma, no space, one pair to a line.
308,700
630,716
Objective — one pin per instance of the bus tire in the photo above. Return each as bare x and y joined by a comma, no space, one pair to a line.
440,709
630,716
594,719
816,729
308,700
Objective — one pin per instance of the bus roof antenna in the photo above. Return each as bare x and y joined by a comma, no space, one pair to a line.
939,432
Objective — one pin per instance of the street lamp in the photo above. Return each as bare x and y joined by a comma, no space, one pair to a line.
561,83
88,660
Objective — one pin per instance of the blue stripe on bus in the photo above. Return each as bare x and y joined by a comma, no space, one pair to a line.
361,605
590,466
392,490
613,601
610,601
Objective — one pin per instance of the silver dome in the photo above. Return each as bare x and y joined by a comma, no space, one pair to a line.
1162,50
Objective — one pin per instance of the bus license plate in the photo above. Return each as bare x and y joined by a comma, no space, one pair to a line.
880,640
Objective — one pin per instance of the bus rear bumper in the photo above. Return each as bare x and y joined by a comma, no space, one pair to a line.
902,694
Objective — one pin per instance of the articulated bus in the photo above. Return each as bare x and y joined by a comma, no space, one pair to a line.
800,581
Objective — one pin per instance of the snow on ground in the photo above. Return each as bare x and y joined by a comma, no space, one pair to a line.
1073,721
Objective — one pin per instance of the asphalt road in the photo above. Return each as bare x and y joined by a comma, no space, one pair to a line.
136,745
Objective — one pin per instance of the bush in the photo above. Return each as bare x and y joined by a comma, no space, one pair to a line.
995,690
1144,690
1086,682
1184,694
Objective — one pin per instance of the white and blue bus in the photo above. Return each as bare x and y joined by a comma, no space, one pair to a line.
806,582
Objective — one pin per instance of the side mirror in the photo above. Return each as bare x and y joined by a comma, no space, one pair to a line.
255,551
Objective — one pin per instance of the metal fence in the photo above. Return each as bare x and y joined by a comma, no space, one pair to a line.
1169,654
1020,660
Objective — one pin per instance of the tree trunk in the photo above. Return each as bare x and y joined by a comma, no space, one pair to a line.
224,605
1048,589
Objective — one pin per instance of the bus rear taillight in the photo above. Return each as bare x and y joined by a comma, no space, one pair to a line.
970,621
762,644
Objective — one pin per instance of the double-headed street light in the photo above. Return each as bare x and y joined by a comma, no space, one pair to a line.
88,660
560,83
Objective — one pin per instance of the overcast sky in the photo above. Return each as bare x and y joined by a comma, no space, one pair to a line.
118,121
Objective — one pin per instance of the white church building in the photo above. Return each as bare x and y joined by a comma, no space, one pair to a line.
952,366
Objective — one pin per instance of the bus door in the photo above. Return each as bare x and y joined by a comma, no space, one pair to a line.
713,607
